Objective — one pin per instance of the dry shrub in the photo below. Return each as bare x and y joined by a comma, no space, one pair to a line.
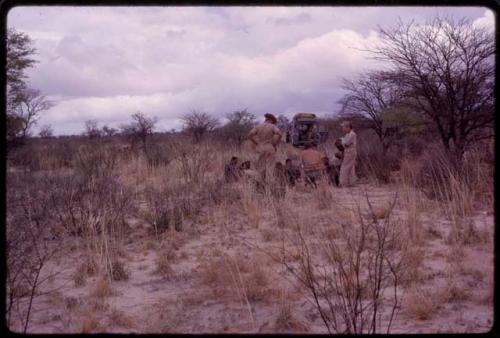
71,302
212,272
118,271
454,292
456,185
89,324
91,203
29,231
251,206
323,195
163,264
372,162
365,257
42,155
119,318
268,234
382,211
79,277
286,320
412,259
193,162
421,303
256,282
102,288
157,155
171,206
412,200
97,305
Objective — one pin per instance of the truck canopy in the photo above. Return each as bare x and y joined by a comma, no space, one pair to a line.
304,117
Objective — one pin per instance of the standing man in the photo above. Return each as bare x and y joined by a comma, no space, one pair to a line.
347,175
265,137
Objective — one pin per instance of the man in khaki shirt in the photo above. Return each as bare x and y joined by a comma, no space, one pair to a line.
265,137
312,164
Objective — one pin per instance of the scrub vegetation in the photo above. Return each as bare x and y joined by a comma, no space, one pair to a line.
134,230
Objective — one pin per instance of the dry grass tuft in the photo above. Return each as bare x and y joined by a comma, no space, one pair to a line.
102,288
381,211
79,277
453,292
119,273
256,282
213,273
412,259
89,324
71,303
286,320
421,303
119,318
163,264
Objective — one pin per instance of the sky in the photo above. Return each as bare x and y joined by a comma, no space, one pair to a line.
106,63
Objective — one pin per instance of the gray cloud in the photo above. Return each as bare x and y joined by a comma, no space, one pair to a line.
108,62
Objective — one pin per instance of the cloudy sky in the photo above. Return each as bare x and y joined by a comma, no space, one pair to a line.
105,63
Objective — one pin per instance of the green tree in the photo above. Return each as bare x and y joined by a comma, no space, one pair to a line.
24,104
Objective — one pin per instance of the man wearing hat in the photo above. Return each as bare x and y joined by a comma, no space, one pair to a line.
265,137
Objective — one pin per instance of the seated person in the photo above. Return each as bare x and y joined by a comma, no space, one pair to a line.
312,164
245,165
232,170
332,171
292,172
279,173
278,190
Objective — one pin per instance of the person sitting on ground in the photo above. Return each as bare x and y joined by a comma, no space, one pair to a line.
280,173
312,164
232,170
280,177
331,171
251,176
245,165
292,172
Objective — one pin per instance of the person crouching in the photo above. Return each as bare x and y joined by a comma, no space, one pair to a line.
312,164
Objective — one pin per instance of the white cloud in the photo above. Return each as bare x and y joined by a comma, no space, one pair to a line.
106,63
486,21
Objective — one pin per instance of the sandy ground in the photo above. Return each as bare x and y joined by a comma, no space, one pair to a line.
189,300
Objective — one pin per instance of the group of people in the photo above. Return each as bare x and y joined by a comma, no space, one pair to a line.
315,165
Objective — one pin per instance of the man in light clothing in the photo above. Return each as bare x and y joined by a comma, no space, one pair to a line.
265,137
347,175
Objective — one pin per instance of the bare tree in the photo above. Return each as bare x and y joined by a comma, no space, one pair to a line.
371,96
92,129
198,124
446,70
283,123
140,129
109,131
30,102
46,131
